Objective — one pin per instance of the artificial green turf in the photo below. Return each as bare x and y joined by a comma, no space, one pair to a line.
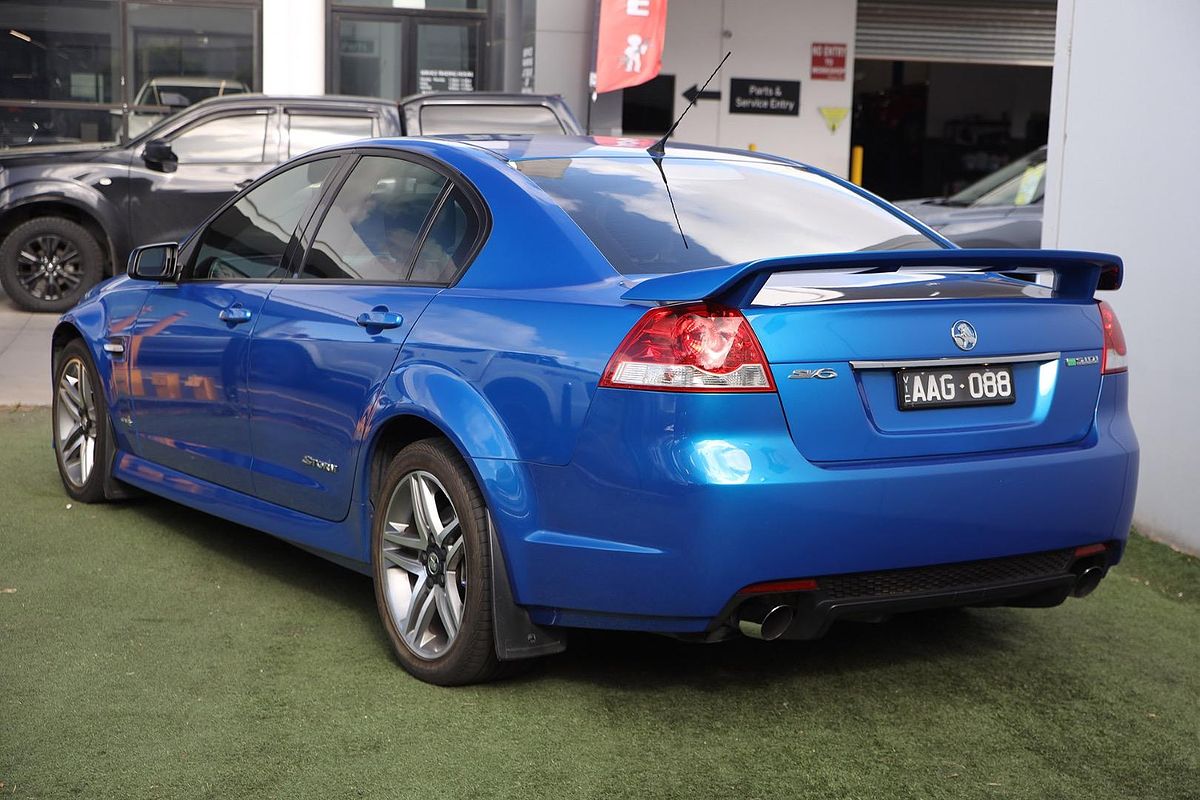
150,651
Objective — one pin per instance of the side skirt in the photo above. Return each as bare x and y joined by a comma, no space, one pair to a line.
330,539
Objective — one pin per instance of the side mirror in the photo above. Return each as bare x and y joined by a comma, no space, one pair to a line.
154,262
158,155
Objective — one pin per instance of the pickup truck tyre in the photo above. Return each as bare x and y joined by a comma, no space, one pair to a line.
47,263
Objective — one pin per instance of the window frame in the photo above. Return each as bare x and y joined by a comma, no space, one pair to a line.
454,180
192,246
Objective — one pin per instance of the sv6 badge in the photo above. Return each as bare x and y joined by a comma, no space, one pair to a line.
822,374
309,461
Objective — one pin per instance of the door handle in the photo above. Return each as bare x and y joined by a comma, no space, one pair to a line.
243,184
234,315
379,318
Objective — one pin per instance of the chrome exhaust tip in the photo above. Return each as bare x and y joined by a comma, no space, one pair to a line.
766,623
1087,581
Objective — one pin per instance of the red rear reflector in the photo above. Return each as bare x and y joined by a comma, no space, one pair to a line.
1114,358
770,587
1090,550
694,347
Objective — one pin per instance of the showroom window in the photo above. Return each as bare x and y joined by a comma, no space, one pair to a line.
389,49
106,70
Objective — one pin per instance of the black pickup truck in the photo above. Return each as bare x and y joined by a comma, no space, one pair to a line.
70,214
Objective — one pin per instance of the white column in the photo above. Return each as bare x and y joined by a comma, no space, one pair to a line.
1122,175
293,49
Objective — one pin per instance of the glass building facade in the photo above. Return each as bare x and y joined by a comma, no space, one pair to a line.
103,70
106,70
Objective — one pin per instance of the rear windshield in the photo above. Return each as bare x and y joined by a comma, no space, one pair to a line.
437,120
728,212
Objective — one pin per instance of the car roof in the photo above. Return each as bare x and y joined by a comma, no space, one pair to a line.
300,99
190,80
525,147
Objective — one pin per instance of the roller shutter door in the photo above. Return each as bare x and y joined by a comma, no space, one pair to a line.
972,31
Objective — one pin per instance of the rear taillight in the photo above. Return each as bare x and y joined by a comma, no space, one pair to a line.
697,347
1114,358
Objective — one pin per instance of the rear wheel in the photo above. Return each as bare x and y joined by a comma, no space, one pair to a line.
80,421
432,566
47,263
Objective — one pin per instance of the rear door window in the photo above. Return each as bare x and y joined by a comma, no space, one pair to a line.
310,131
248,239
371,230
448,244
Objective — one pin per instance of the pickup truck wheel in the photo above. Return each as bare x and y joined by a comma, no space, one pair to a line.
47,263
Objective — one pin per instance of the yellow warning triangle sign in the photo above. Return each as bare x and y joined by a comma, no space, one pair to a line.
834,116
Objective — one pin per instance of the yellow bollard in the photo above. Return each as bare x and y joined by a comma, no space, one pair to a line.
856,159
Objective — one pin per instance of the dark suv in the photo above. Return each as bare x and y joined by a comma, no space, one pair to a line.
69,215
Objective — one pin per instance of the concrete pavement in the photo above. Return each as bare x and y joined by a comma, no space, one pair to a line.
24,355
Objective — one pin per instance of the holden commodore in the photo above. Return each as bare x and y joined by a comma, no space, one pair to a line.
530,384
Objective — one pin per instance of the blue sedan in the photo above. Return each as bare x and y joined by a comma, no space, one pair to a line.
532,384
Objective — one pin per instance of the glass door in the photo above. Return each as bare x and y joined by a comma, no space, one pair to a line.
396,55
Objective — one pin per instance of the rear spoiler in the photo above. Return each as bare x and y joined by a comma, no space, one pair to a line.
1078,274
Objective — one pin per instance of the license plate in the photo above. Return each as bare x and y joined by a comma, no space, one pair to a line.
954,386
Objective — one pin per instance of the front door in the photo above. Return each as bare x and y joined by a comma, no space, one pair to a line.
218,157
327,340
189,349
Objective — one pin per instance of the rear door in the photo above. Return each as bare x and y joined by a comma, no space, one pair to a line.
188,351
395,233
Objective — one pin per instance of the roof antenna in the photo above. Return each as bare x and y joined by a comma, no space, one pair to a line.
659,148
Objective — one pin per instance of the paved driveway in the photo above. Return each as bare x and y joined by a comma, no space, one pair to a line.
24,355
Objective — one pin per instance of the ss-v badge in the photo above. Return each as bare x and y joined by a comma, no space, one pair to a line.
822,374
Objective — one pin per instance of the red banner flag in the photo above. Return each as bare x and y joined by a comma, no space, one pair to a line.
630,42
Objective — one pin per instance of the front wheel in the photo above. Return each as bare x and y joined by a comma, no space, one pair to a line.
48,263
80,421
432,566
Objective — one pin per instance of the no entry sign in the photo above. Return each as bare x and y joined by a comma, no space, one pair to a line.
828,61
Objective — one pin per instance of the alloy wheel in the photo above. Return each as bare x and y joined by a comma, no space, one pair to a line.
76,423
423,556
49,267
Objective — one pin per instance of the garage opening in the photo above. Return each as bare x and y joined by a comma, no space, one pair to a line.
949,91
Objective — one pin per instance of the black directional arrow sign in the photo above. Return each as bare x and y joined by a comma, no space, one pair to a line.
693,94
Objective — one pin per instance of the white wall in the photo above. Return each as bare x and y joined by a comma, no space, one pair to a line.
293,47
770,39
565,32
1123,175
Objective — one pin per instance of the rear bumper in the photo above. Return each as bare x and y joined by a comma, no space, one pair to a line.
674,503
1039,580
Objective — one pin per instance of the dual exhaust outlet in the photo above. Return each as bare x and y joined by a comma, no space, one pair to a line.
768,622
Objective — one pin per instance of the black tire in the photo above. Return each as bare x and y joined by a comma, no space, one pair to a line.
470,657
47,263
75,357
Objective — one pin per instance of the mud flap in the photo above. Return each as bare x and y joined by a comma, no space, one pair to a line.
516,635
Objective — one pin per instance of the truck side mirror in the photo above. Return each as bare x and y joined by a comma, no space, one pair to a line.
158,155
154,262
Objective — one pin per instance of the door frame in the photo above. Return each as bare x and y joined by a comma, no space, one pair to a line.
409,19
